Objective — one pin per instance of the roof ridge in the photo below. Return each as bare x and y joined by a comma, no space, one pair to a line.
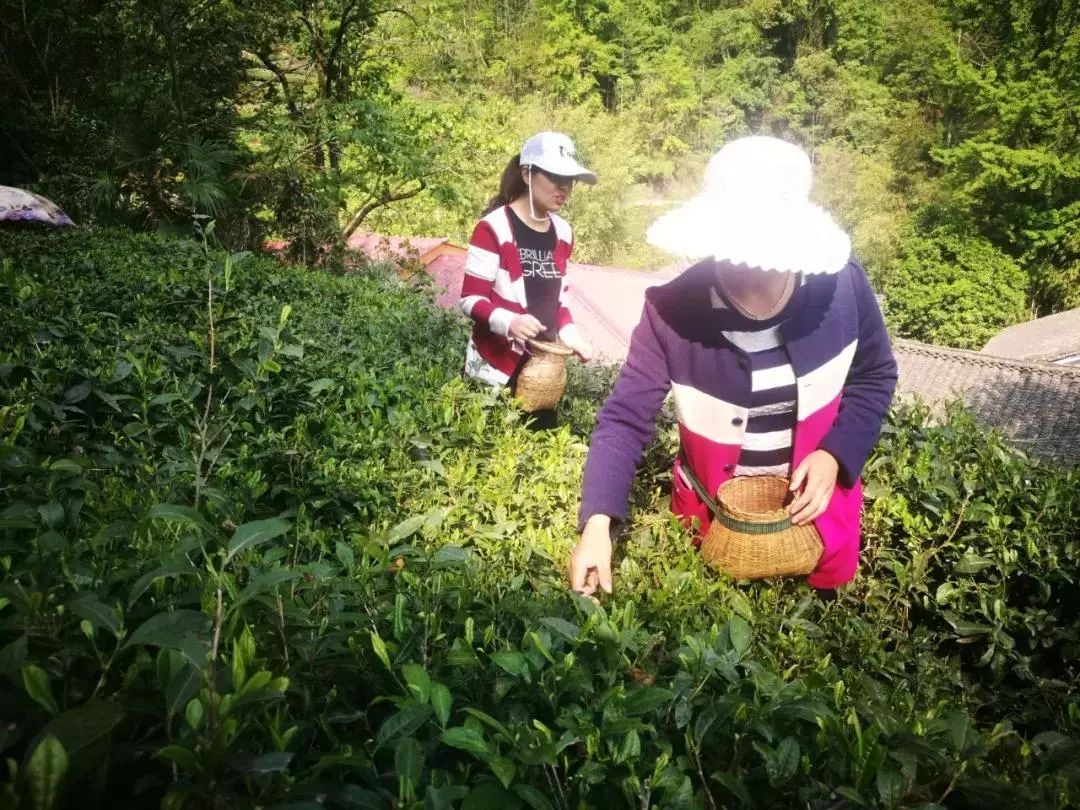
598,314
979,359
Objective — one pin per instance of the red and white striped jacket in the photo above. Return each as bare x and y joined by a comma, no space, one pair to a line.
493,294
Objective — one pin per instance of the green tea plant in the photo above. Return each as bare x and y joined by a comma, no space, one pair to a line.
262,546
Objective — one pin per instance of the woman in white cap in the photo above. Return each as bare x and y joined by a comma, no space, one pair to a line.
515,271
775,352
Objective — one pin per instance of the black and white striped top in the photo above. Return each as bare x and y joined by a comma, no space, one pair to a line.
770,424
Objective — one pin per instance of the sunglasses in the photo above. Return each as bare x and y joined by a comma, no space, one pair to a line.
557,179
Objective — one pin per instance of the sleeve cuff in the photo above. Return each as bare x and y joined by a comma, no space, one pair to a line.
591,504
500,320
847,474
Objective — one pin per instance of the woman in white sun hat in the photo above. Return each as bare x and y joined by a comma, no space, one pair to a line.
515,271
776,354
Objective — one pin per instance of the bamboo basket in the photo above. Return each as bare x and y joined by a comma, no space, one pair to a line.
542,379
752,536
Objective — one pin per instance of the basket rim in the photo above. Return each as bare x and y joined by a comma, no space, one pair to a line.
551,347
757,516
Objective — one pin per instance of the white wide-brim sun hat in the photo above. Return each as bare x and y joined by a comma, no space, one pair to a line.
754,209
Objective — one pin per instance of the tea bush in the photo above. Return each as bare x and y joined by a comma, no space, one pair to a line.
262,547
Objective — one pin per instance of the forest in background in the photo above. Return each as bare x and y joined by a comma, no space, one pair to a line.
944,134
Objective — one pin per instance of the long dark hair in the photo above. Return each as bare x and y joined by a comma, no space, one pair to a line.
511,186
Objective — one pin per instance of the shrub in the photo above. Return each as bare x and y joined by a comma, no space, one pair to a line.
262,546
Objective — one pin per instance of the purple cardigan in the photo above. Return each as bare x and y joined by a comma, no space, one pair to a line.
845,376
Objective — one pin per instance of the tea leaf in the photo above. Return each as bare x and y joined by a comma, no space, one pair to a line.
168,629
100,615
409,760
450,557
182,687
407,528
513,662
787,759
354,796
489,796
265,582
267,763
184,515
566,629
890,787
345,554
36,684
488,721
643,701
533,797
182,757
173,568
465,739
958,730
972,564
45,773
402,724
418,680
503,768
734,785
194,713
379,646
739,630
255,533
80,728
13,655
441,702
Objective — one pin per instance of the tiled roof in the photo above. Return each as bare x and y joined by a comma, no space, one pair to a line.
1037,405
1053,337
607,303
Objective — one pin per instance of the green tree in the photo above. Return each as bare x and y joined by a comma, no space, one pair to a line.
121,108
953,289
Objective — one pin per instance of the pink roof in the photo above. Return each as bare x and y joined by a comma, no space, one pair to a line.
607,304
448,271
389,248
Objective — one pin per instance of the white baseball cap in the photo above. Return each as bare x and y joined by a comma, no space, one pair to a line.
554,152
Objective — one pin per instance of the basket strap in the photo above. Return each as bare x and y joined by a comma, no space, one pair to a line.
695,484
746,527
733,523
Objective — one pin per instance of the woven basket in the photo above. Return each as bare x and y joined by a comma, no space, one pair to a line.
752,536
542,380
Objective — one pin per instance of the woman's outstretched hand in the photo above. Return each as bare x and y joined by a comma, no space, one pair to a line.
813,483
580,346
590,563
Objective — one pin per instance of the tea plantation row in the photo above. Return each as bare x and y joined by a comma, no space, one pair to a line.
261,546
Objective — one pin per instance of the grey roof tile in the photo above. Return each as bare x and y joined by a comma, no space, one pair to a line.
1037,405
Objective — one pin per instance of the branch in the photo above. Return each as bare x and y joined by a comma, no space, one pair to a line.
343,27
198,8
397,10
385,199
309,27
283,80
